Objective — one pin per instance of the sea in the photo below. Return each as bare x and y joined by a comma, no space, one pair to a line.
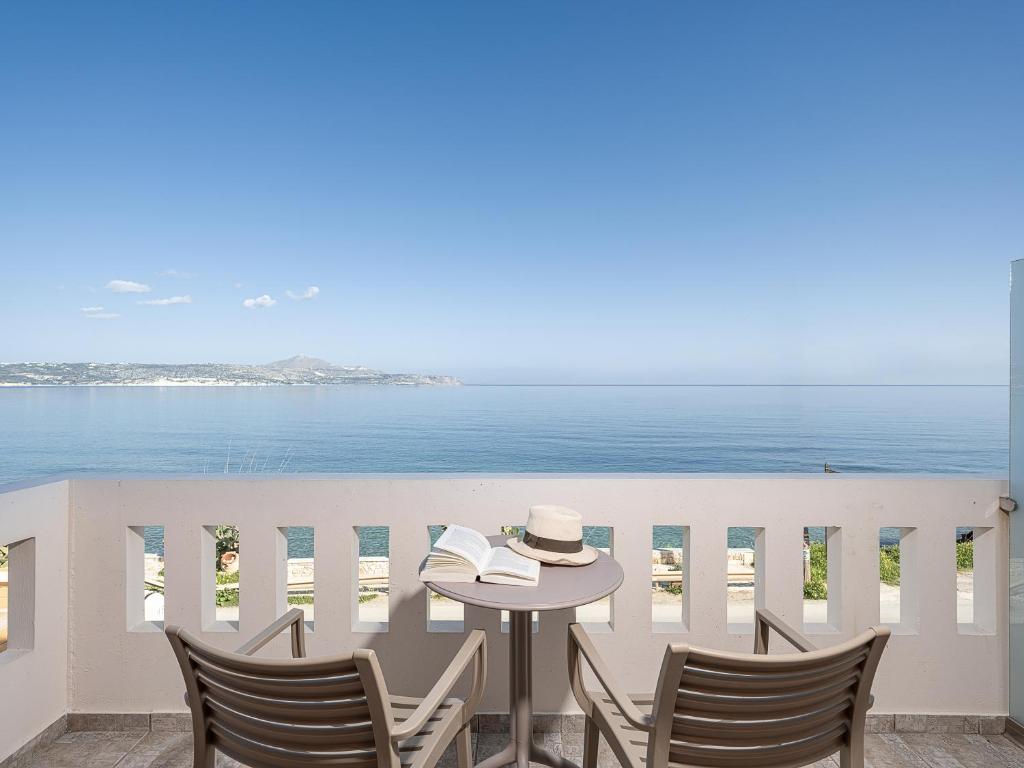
215,431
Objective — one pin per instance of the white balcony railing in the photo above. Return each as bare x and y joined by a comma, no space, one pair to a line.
81,641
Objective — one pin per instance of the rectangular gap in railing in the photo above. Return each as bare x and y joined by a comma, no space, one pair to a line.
976,576
144,578
744,582
17,597
371,578
300,571
670,578
221,578
443,614
898,561
822,586
516,531
598,616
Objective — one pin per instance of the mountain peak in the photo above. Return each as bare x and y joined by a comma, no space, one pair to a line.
299,363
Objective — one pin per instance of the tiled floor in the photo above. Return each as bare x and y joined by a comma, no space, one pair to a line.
154,749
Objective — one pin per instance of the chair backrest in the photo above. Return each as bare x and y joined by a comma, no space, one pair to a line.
288,712
731,710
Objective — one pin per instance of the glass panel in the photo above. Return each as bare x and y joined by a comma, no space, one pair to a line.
1017,491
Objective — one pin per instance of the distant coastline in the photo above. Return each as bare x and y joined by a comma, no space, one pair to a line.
295,371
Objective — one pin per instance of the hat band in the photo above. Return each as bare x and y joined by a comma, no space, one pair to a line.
552,545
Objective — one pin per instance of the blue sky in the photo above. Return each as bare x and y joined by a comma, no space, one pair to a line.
530,191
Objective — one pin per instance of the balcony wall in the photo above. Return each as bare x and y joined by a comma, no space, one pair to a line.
34,668
102,659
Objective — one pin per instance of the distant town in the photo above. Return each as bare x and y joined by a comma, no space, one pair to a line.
295,371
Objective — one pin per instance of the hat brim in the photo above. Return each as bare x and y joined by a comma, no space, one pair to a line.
584,557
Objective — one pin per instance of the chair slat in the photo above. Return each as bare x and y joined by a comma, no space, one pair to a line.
335,686
781,679
787,701
713,728
358,734
252,752
339,709
812,747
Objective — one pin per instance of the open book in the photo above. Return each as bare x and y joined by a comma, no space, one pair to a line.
462,554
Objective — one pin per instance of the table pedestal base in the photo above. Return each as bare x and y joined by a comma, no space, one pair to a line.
521,750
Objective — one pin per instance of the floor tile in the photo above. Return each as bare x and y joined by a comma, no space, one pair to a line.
889,751
168,749
87,749
1011,755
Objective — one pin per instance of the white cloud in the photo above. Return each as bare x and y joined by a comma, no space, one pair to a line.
309,293
186,299
128,286
259,301
238,285
176,273
88,310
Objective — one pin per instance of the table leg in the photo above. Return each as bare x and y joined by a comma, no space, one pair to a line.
521,750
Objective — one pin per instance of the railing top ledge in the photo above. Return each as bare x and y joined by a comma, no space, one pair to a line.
222,477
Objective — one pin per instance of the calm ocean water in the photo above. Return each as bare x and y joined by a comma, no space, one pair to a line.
502,429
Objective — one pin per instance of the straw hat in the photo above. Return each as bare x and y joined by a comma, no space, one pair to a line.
554,535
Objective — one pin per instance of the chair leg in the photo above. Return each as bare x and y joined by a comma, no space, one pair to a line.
464,748
852,756
591,735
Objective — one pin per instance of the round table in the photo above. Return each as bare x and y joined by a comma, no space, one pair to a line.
559,587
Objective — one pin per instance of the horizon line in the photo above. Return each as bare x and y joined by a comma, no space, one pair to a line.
629,384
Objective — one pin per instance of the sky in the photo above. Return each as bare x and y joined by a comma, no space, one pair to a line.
592,192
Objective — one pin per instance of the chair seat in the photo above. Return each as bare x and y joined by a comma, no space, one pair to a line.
628,743
427,746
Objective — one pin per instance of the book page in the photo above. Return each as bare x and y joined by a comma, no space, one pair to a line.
465,542
503,560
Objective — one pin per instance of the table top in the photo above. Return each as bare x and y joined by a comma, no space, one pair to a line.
560,586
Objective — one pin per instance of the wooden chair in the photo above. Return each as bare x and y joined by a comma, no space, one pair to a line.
735,710
328,711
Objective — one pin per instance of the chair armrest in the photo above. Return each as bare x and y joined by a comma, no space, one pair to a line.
293,619
765,620
475,650
580,645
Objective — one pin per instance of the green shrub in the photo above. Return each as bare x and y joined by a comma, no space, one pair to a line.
365,597
300,599
817,587
889,564
965,556
227,596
